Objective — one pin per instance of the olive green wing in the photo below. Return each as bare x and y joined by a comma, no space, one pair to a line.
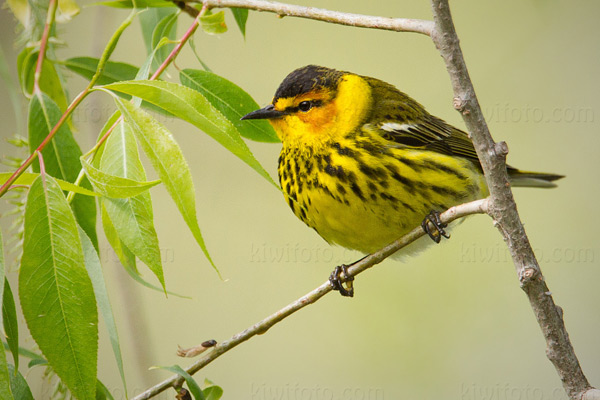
429,133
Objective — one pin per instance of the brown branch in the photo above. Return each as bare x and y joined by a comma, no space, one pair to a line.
504,210
475,207
335,17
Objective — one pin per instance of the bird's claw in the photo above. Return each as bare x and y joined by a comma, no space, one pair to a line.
437,231
337,279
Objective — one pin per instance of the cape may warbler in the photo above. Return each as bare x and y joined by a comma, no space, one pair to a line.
363,163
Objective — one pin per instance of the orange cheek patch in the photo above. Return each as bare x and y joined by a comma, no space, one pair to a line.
319,118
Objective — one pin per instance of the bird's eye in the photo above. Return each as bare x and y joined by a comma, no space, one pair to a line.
304,106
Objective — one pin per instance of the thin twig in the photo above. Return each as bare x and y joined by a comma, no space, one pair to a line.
52,5
503,209
475,207
335,17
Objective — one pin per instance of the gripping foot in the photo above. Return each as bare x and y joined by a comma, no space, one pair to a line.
437,231
337,279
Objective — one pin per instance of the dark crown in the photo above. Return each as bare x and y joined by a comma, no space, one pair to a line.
308,78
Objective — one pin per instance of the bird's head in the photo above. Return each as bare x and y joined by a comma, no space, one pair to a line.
315,104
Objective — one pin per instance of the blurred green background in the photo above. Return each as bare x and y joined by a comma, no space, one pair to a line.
449,323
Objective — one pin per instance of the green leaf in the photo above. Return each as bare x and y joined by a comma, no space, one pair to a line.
94,270
167,28
193,107
126,257
148,21
61,157
26,353
107,125
5,392
213,23
168,161
213,392
50,82
132,218
241,16
9,320
138,3
192,384
113,71
102,393
27,179
192,43
18,385
232,101
35,362
115,186
56,294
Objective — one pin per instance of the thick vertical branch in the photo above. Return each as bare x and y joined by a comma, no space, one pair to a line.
504,210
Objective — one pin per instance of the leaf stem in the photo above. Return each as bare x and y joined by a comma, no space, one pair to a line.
180,45
44,44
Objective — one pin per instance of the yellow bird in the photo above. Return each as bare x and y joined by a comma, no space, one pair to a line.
363,163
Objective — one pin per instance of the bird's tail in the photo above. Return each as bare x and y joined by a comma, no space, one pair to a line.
520,178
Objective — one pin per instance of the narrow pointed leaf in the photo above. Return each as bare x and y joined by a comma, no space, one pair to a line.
191,382
165,28
125,256
27,179
94,270
107,125
168,161
148,21
9,321
18,385
193,107
56,293
5,392
102,392
132,218
241,16
113,71
61,157
115,186
50,82
232,101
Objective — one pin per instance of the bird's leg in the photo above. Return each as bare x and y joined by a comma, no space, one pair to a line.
437,231
339,276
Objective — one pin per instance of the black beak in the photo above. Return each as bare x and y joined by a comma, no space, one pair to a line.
268,112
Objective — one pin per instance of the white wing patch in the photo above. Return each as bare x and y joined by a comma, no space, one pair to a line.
396,127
